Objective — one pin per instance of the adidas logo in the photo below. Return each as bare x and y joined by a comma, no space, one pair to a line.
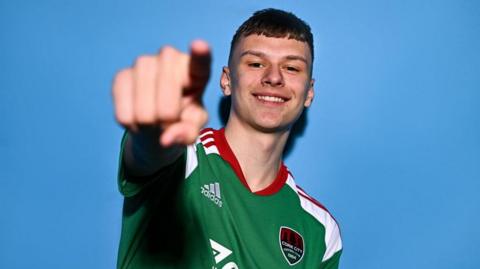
212,192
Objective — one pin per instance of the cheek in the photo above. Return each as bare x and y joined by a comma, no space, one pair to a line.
301,89
246,82
237,81
297,80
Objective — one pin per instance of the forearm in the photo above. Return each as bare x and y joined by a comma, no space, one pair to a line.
144,155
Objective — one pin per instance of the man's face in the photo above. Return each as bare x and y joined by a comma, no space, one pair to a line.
269,81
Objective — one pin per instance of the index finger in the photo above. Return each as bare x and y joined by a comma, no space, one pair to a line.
199,67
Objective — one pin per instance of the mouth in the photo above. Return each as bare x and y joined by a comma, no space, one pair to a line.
271,99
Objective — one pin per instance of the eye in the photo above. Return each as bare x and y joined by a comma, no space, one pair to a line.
292,69
255,65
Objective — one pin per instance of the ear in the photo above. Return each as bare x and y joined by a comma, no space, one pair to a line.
225,81
310,94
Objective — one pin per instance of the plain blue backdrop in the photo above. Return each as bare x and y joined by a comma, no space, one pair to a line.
392,145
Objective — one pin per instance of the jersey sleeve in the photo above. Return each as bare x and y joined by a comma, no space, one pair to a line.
150,209
333,262
333,247
130,186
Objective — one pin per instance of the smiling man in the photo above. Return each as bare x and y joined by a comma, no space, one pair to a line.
205,198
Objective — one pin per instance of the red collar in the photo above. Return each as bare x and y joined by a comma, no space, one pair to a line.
227,154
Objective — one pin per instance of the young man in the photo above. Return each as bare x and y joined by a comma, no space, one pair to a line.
220,198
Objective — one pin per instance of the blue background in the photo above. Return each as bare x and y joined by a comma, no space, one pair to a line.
392,144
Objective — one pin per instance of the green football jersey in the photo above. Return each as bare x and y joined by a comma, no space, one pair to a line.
198,212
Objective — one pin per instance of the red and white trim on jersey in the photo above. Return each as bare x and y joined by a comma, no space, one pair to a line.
214,142
192,161
227,154
319,212
207,139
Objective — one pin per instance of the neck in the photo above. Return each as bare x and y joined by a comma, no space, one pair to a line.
261,159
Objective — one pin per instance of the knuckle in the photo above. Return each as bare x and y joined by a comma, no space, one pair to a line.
144,61
189,139
168,111
190,134
145,118
123,119
122,76
200,116
144,115
168,53
167,115
167,50
204,117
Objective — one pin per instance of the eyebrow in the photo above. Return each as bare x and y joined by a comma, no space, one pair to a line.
262,55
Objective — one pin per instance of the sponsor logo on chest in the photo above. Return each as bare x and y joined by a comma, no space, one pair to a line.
212,192
220,252
291,244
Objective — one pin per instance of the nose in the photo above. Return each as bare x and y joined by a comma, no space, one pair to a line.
273,77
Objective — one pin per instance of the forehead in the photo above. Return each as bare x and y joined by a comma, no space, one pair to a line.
273,47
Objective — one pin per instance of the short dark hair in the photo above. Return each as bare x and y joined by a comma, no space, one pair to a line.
272,22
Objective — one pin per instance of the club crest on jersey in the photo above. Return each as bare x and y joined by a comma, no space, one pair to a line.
291,244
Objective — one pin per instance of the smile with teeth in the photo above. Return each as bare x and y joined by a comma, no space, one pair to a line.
273,99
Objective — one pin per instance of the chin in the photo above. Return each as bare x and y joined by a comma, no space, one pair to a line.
271,127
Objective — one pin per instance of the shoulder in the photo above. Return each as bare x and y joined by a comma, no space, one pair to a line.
207,139
205,144
319,212
311,205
